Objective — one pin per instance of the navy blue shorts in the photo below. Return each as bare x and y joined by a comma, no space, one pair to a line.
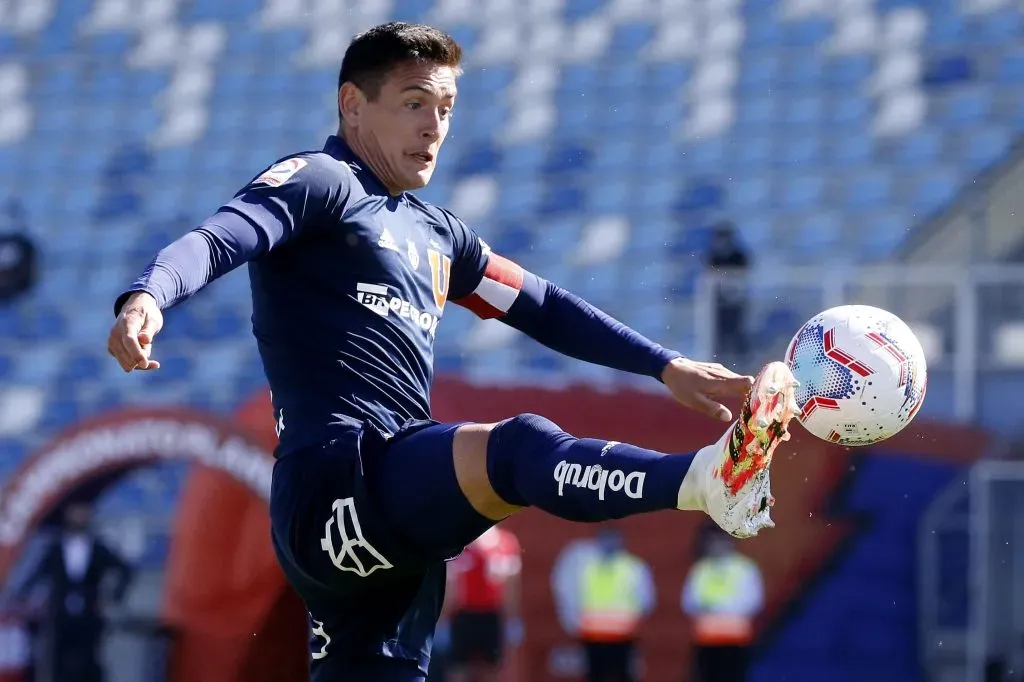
362,528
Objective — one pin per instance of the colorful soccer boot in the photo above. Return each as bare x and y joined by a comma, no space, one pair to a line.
729,480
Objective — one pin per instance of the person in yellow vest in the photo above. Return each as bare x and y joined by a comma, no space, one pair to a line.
614,592
723,595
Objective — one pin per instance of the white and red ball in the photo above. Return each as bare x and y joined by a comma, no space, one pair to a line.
862,374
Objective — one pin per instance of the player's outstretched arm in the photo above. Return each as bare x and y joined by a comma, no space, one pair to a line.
176,273
287,198
494,287
566,323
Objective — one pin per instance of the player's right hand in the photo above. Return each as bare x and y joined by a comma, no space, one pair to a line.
701,385
131,337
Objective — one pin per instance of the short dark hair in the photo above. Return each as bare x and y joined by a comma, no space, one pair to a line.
372,54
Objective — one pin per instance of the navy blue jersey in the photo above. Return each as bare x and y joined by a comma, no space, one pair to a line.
349,284
345,316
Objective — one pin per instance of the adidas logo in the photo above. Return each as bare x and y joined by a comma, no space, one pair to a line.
386,241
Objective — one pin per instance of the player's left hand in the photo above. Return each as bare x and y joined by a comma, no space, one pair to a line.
702,385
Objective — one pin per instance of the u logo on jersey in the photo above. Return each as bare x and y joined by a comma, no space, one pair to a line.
440,270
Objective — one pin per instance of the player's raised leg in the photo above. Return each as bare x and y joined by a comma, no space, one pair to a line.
530,461
443,485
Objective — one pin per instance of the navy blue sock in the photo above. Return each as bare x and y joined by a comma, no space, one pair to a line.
532,462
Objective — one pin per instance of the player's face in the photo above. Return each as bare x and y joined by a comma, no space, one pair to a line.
403,129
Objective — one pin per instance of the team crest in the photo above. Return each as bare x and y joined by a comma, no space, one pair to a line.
440,270
414,255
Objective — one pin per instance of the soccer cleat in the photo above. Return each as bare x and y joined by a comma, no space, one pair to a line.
730,478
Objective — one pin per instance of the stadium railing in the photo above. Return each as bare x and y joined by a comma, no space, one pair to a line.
968,319
970,595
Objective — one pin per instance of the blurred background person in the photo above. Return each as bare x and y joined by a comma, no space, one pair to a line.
603,593
19,261
483,607
723,595
79,578
729,261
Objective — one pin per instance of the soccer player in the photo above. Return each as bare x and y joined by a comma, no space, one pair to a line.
483,592
350,275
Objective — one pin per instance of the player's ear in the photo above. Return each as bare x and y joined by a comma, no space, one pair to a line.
351,102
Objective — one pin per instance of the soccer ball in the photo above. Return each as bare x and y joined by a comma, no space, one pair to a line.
862,374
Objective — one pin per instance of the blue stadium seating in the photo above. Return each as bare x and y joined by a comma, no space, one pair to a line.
128,146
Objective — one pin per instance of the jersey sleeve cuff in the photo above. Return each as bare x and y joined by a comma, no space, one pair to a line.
123,298
663,356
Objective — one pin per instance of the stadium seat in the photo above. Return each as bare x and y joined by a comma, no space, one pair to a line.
945,71
750,193
934,190
519,196
562,200
608,197
1011,67
881,234
804,111
480,157
818,237
211,10
1002,28
850,110
59,411
6,366
848,72
754,154
967,108
700,195
869,189
759,112
707,155
567,158
984,147
945,30
39,363
173,367
804,151
39,322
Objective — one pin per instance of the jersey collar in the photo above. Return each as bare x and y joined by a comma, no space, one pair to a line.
339,149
